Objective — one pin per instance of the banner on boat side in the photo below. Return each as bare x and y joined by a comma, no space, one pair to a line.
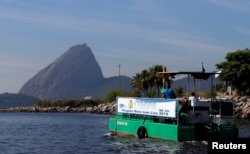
147,106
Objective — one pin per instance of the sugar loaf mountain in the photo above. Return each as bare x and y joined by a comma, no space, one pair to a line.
75,74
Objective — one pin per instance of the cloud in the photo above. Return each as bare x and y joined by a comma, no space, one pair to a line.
76,24
191,45
11,64
245,31
239,6
15,71
102,23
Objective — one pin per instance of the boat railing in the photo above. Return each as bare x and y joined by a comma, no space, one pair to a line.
198,114
155,119
220,109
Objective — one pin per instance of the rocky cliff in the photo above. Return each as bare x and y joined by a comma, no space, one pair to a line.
75,74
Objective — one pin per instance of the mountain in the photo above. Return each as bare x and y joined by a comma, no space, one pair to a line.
8,100
75,74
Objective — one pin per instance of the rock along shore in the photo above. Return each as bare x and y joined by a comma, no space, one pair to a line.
242,108
109,108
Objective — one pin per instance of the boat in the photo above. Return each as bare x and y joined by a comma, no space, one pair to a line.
174,119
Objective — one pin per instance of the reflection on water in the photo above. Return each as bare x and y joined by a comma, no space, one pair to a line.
61,133
244,127
126,145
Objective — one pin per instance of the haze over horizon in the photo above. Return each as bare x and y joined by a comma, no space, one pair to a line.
135,34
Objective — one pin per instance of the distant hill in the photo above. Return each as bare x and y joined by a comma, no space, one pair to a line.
8,100
75,74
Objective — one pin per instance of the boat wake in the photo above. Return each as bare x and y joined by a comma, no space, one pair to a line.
107,135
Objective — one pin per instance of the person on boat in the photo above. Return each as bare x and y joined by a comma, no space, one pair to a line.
194,101
169,93
163,91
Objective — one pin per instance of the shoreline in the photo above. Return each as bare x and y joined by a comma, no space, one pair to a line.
100,109
242,108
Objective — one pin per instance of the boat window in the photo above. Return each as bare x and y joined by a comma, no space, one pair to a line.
227,108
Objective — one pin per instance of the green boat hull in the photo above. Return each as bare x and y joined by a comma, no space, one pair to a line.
168,129
153,130
167,119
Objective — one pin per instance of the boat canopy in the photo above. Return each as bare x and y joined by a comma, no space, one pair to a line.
196,75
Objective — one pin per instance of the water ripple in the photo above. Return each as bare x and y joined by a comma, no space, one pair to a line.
76,133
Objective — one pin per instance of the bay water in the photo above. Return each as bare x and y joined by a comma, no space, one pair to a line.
76,133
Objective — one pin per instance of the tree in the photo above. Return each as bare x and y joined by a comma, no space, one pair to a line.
134,93
236,70
146,81
111,96
209,94
178,91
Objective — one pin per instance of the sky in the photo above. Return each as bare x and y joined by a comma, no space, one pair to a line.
135,34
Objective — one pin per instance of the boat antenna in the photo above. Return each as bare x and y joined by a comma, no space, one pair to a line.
203,69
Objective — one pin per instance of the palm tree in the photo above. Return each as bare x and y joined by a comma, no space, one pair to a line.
139,81
154,82
152,72
136,82
146,80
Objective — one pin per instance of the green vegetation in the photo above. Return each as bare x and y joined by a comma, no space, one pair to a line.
69,102
209,94
111,96
146,82
236,70
178,91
